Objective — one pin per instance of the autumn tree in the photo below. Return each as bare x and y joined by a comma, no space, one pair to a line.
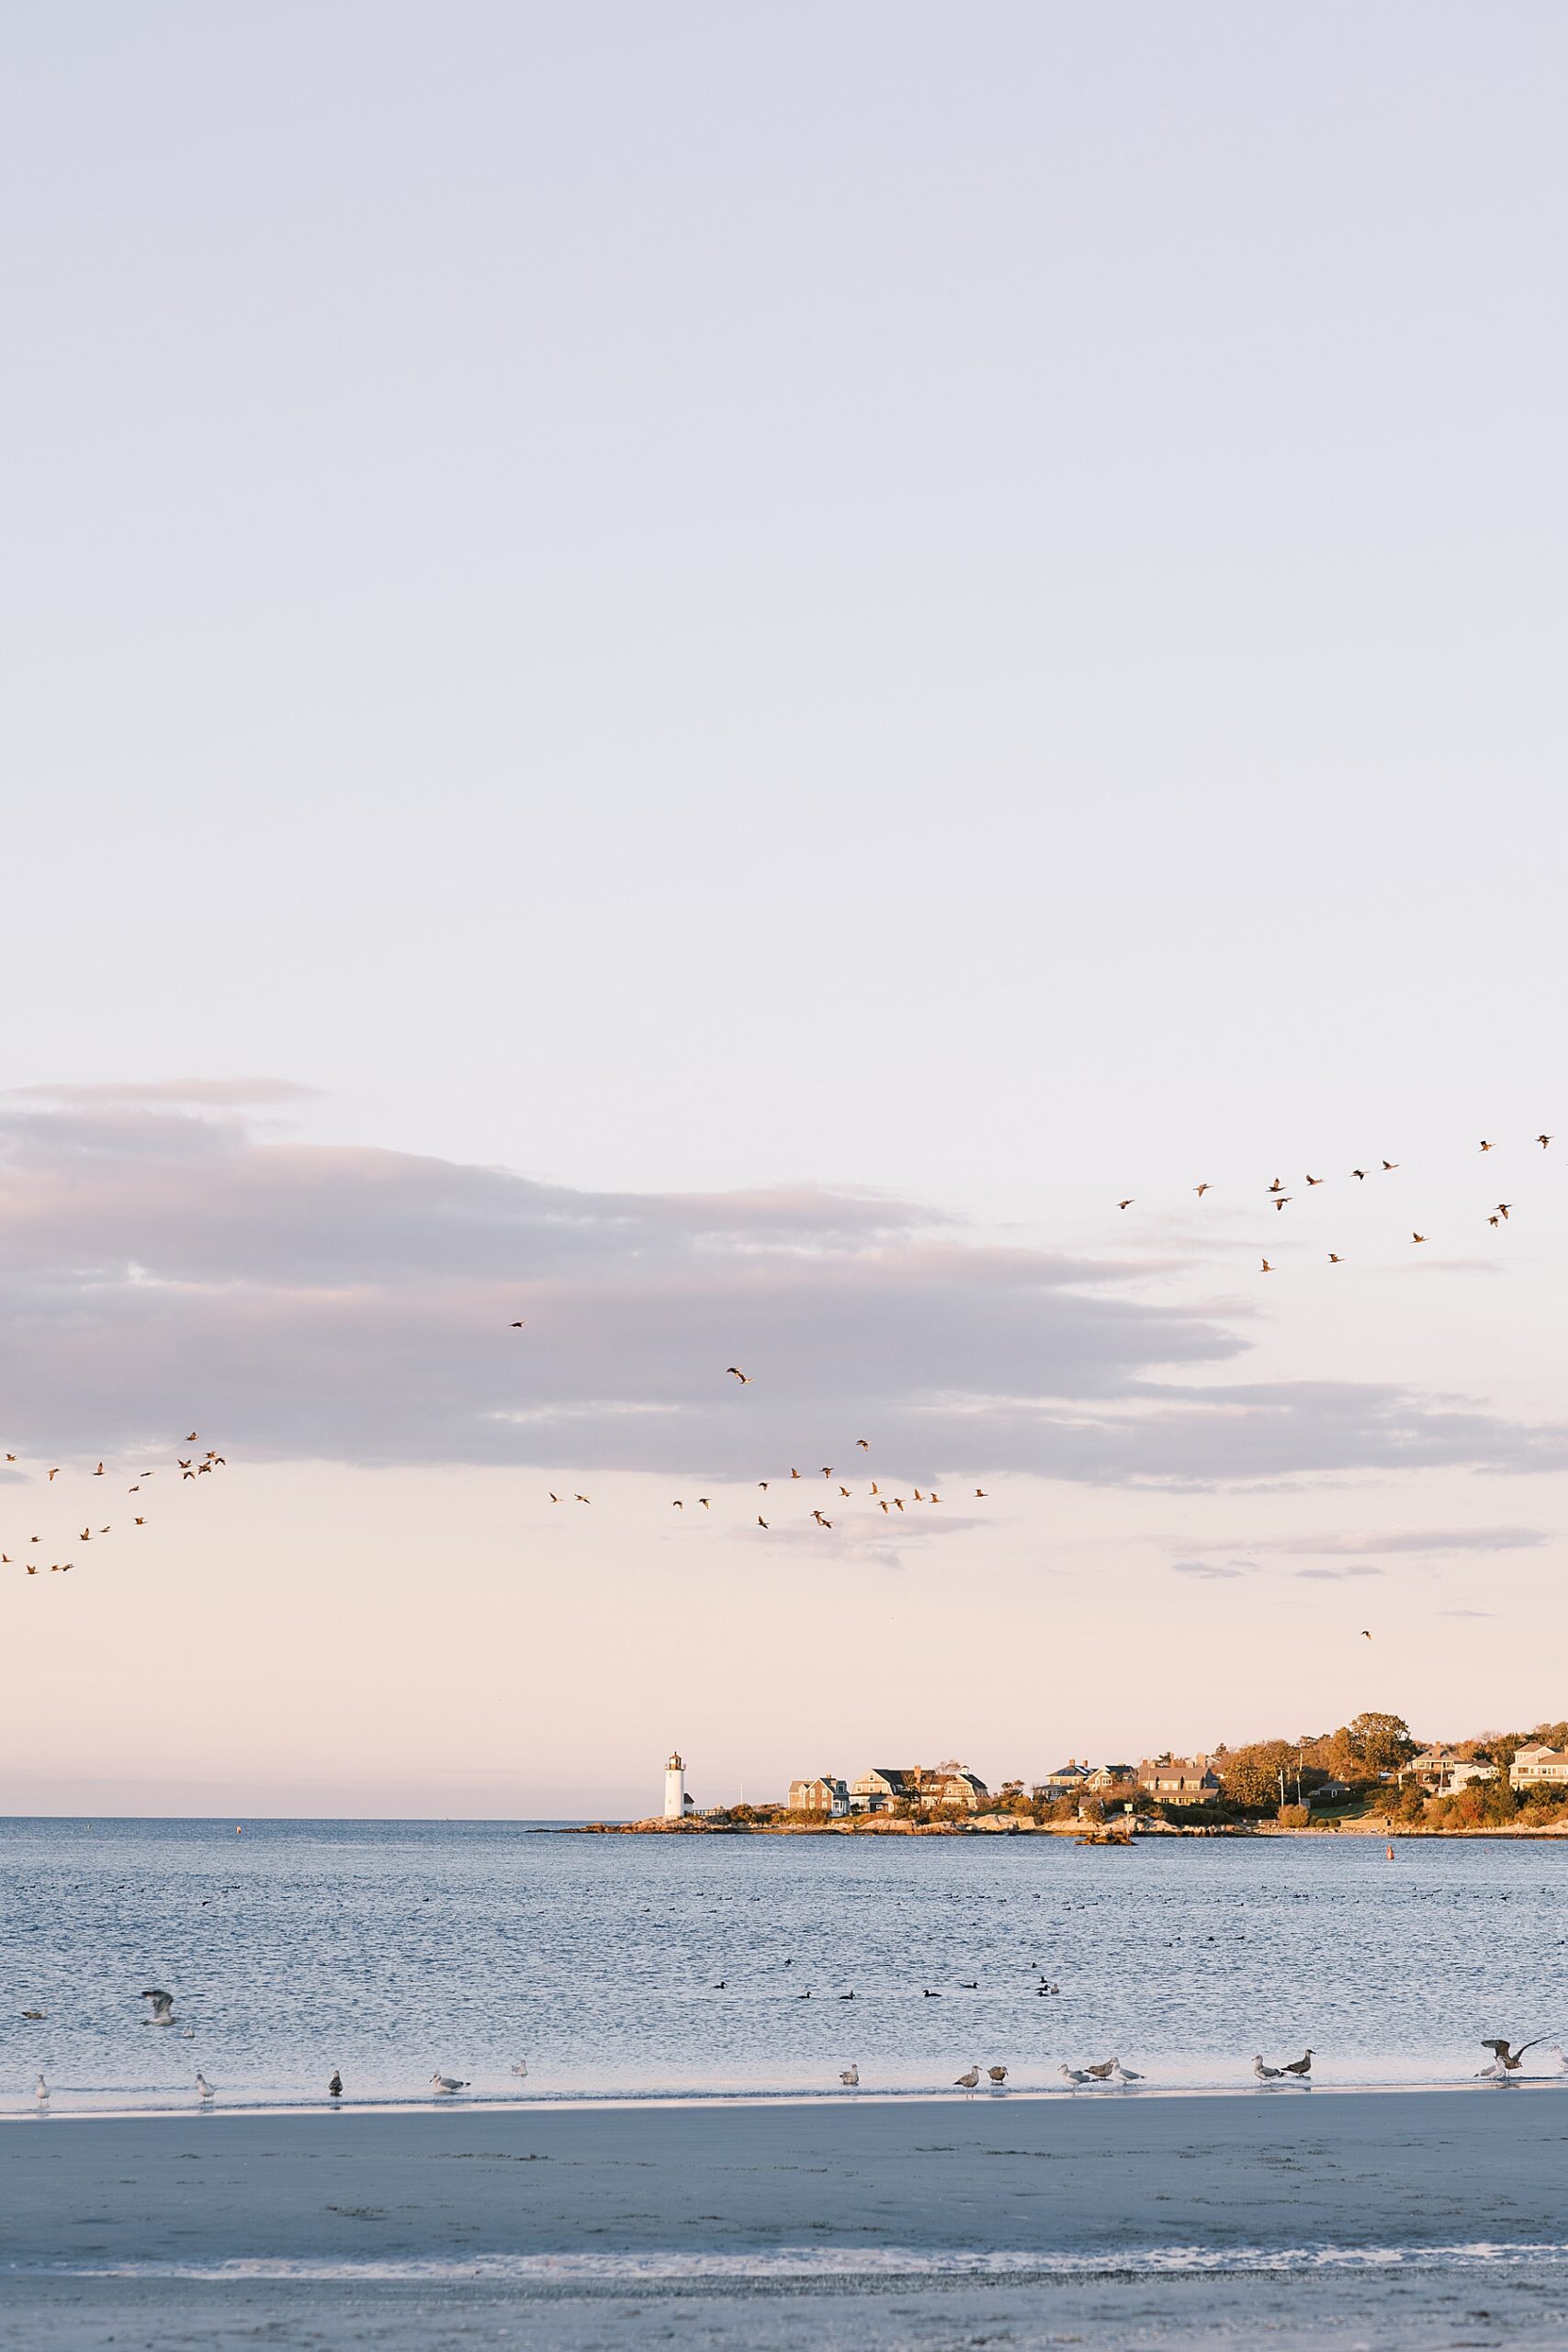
1374,1743
1251,1775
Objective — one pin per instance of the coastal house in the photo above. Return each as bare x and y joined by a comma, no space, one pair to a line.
877,1788
1066,1780
1179,1780
955,1784
1106,1780
1440,1770
825,1794
1539,1767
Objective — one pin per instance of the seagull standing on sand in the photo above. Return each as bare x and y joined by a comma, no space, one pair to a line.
851,2078
1119,2074
997,2075
203,2089
521,2067
444,2084
1266,2074
41,2092
334,2089
1300,2067
1072,2075
967,2082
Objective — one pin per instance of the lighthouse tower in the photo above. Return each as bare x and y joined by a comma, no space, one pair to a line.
676,1801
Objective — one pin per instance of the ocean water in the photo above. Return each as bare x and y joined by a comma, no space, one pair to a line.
639,1967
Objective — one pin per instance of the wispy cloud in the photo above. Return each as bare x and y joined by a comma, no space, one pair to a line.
1413,1539
161,1263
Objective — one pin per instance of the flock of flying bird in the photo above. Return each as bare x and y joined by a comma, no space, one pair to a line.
1280,1199
186,1467
887,1504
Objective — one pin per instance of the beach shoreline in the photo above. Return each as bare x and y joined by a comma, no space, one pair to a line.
474,2219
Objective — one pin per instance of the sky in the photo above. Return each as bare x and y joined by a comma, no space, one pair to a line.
704,677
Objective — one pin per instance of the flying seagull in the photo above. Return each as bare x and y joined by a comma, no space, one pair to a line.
1509,2059
736,1373
163,2006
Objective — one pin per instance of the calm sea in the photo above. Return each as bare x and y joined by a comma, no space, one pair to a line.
390,1950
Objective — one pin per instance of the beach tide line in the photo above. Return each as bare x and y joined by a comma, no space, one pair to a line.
824,2262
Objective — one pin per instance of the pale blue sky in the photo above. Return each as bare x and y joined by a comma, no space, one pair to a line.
963,601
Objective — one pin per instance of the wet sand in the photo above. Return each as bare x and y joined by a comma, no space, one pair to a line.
1110,2219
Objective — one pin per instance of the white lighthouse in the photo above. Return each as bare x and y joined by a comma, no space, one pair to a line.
677,1804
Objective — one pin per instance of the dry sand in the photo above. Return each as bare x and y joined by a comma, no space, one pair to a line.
616,2227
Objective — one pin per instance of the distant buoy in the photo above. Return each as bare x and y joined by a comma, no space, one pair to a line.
239,1833
1390,1853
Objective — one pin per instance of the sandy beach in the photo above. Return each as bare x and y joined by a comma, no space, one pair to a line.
1379,2220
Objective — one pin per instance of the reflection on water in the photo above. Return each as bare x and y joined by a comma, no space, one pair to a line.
390,1948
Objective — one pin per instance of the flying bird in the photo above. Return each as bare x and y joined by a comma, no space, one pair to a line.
1360,1172
677,1505
582,1498
1267,1267
736,1373
761,1520
1418,1237
1284,1198
1485,1146
1335,1258
53,1474
163,2006
1124,1205
864,1444
704,1500
1493,1220
1503,1208
1276,1186
1542,1140
1389,1166
1314,1180
1201,1188
979,1494
1509,2059
517,1326
99,1471
820,1520
1365,1635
